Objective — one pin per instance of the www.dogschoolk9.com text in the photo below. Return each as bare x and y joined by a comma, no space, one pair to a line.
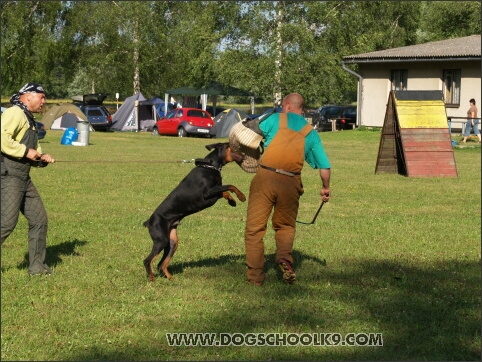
274,339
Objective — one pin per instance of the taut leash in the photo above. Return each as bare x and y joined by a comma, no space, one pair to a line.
40,163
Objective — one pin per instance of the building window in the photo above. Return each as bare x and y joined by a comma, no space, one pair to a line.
452,86
399,79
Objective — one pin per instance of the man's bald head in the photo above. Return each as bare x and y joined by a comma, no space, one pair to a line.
293,102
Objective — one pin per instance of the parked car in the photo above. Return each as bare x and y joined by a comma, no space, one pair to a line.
269,111
318,117
91,105
347,118
186,122
41,131
214,112
322,121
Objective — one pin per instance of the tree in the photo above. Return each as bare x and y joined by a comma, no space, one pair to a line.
269,48
449,19
28,39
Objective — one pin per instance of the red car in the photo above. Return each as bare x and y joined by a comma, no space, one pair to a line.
184,122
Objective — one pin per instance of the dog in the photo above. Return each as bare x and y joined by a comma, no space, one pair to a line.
201,188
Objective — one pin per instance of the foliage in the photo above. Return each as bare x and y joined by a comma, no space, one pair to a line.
388,254
449,19
265,47
27,43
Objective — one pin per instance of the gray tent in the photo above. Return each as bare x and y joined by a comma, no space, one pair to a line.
227,119
135,114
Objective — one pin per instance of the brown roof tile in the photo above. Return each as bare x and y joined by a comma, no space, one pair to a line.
466,47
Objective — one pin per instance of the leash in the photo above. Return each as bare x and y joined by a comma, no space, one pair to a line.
125,161
314,218
39,163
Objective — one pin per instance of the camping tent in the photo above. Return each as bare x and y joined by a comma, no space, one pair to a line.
68,120
135,114
227,119
160,105
63,116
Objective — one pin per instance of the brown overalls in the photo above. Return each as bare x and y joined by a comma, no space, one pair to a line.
273,188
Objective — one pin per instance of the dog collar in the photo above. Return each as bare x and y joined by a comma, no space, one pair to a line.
212,167
202,162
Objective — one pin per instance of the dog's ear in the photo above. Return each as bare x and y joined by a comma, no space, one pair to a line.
223,148
216,145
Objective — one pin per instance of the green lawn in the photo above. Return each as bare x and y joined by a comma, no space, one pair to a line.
388,254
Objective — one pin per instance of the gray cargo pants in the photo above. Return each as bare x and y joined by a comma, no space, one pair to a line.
21,195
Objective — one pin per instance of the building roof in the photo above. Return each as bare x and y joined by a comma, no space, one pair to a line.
465,48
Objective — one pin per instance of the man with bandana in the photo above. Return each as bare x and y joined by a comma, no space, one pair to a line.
20,150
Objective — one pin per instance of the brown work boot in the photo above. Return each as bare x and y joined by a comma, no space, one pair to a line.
258,284
289,276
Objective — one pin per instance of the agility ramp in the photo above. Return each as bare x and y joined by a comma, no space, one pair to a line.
415,139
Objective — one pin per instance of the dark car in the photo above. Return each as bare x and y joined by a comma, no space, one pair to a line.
269,111
214,111
41,131
322,119
347,119
319,116
91,105
344,116
184,122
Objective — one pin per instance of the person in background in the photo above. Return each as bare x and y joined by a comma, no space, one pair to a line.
289,141
20,150
472,122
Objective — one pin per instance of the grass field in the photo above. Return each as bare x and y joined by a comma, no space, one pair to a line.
388,254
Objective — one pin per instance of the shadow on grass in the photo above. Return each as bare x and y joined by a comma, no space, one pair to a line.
428,311
55,252
178,268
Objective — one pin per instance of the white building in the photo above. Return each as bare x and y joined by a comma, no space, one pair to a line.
452,66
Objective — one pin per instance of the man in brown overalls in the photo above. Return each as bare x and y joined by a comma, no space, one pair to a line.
289,141
20,149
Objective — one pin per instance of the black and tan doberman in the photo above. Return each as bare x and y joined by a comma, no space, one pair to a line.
200,189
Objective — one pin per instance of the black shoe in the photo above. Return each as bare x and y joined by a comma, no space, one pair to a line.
289,276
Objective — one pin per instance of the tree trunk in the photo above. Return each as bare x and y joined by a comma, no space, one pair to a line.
279,51
137,85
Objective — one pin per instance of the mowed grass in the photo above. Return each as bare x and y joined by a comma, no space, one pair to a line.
388,254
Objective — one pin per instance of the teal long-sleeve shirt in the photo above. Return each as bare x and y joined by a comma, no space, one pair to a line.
315,154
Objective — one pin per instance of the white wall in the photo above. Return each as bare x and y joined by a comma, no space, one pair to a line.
421,76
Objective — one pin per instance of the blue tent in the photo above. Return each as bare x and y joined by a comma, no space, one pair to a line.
161,106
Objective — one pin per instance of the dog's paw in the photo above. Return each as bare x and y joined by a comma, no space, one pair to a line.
242,197
231,202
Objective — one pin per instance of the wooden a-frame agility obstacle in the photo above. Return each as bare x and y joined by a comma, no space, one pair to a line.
415,139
